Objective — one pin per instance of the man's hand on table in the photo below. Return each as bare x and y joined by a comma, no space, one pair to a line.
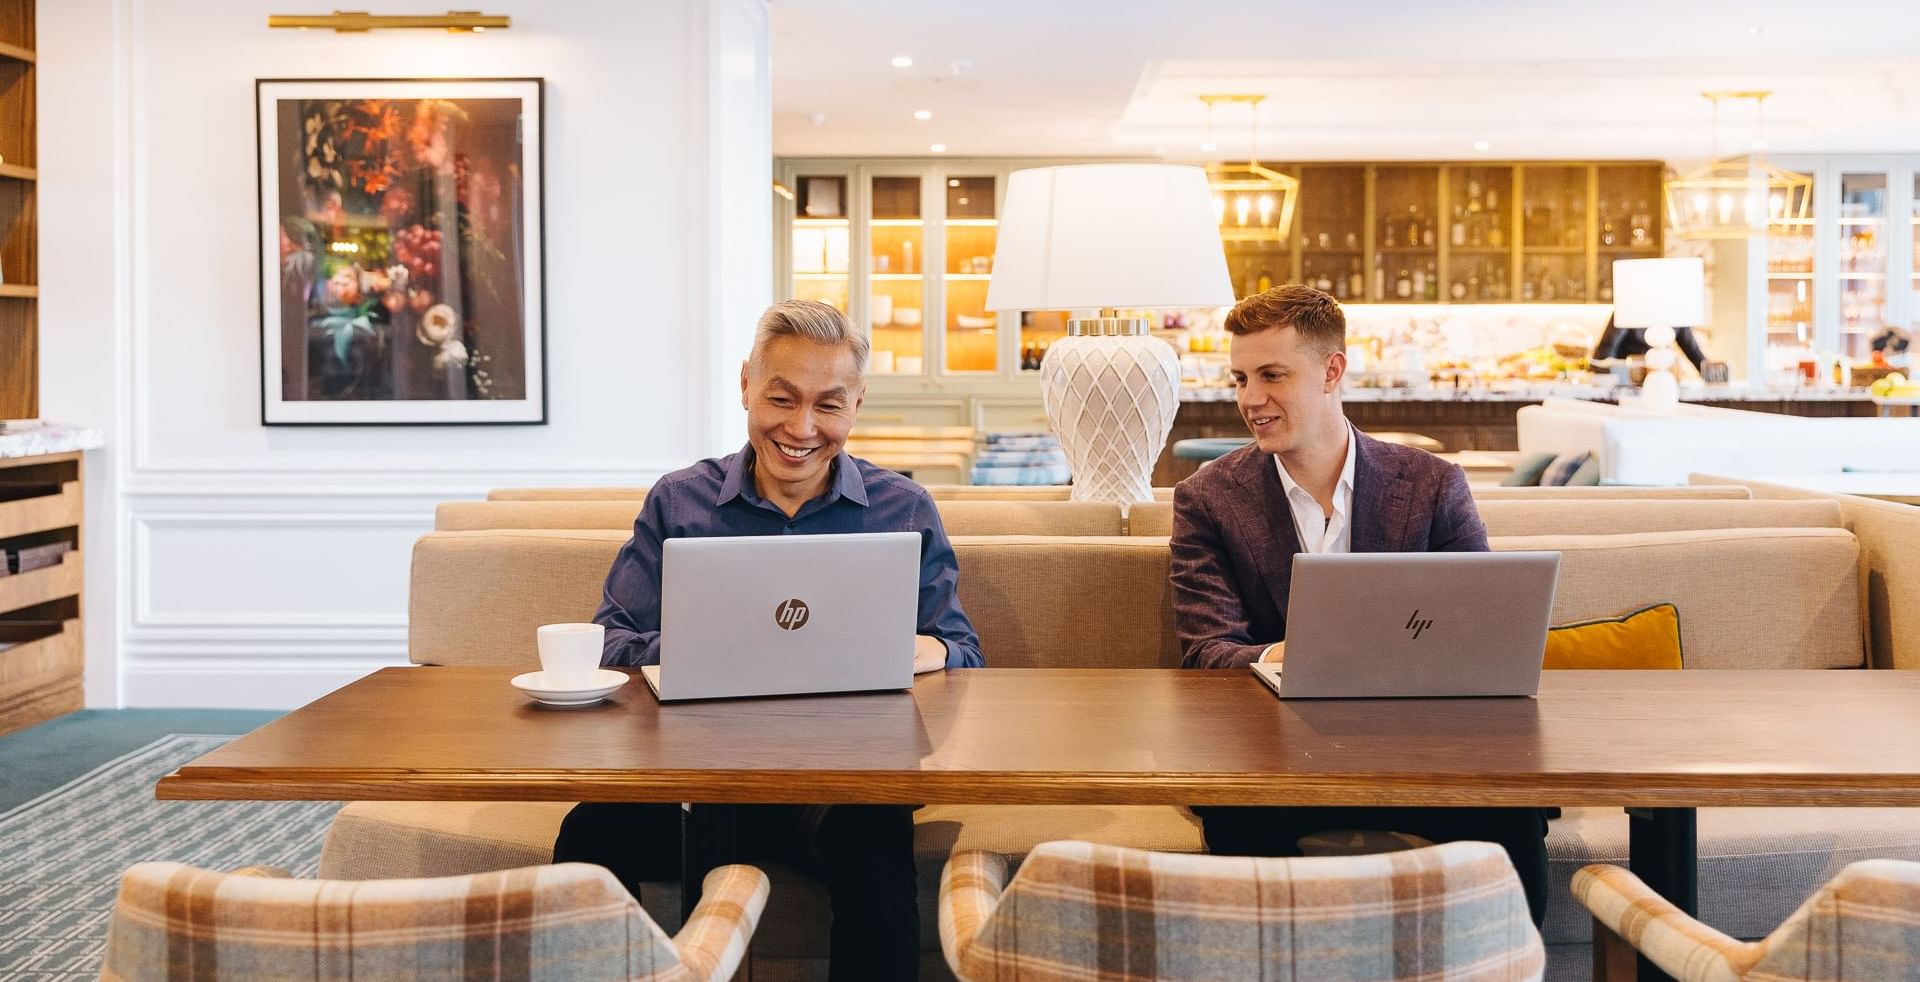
1275,652
929,654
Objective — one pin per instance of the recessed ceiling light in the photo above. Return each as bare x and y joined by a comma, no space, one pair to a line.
1755,30
1482,145
1208,148
902,61
817,119
923,114
953,182
938,148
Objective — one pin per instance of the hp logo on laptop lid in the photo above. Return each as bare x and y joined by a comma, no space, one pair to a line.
1416,625
791,615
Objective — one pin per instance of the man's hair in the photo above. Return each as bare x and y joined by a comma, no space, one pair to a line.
1314,314
817,322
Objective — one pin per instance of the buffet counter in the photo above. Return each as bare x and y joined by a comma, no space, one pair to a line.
1481,417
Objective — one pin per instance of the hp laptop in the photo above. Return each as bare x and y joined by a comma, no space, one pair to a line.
1388,624
764,615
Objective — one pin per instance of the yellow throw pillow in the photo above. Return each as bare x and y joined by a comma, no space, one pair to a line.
1645,638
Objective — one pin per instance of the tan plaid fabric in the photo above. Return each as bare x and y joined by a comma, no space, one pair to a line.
569,921
1083,911
1864,926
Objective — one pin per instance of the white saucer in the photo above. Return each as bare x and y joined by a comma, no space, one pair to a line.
604,682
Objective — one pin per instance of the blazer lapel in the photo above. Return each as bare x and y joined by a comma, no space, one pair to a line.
1268,527
1382,498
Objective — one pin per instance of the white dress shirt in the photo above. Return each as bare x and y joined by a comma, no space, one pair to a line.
1318,531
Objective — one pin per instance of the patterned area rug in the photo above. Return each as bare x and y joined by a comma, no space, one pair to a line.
61,854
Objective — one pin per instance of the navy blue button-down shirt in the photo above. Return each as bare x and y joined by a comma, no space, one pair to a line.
717,497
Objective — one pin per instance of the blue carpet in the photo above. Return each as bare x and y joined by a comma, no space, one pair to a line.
62,853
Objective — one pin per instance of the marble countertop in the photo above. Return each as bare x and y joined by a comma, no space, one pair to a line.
37,438
1538,391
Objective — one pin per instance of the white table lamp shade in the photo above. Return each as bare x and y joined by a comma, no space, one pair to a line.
1108,235
1659,292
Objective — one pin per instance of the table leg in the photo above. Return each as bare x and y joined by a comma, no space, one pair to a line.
709,838
1662,850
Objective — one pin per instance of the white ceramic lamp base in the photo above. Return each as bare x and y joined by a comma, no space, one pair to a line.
1111,401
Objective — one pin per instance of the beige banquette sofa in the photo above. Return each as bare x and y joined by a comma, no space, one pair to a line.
1805,583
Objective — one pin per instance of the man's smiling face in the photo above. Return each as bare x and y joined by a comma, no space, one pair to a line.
801,397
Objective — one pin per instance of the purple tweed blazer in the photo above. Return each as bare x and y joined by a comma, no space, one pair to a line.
1234,539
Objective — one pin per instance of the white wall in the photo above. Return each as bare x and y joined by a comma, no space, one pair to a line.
234,564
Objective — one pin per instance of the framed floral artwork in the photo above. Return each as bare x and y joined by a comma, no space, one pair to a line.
401,261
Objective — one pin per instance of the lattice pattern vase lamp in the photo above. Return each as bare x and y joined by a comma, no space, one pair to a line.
1106,237
1659,295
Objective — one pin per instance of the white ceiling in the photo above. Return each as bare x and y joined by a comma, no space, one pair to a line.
1359,80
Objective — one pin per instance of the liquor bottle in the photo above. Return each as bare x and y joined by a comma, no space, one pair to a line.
1473,196
1433,279
1391,226
906,256
1474,285
1427,235
1379,277
1458,234
1403,286
1495,237
1264,283
1458,290
1356,284
1493,198
1413,225
1324,284
1419,281
1526,283
1475,238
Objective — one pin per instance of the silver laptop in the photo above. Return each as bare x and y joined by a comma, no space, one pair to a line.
764,615
1388,624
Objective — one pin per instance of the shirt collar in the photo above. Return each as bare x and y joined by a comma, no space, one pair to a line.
738,482
1340,490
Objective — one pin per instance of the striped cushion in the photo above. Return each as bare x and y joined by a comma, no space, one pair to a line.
570,921
1079,910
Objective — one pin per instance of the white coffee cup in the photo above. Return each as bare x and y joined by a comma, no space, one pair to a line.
570,653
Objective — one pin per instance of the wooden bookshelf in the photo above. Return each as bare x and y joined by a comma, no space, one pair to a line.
41,653
19,223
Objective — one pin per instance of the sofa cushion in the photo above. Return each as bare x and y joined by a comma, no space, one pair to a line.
1552,516
1150,518
1527,470
1021,593
1809,579
1648,638
1756,864
1560,470
567,494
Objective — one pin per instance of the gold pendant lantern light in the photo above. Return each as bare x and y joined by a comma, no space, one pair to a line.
1253,203
1737,196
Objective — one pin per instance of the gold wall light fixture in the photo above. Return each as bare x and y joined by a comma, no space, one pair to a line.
1739,195
1252,202
359,21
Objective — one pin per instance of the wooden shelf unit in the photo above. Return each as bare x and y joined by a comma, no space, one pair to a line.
19,234
42,655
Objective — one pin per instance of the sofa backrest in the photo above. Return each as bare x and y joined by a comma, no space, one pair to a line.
1036,601
1532,516
1748,598
964,517
567,494
1608,492
1889,535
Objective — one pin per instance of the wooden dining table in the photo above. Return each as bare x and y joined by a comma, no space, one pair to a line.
1659,743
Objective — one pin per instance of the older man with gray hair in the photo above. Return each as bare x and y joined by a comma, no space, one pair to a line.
801,387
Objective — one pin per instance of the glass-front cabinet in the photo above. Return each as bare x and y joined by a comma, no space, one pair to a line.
1843,285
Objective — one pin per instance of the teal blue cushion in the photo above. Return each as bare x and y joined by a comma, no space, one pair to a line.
1527,472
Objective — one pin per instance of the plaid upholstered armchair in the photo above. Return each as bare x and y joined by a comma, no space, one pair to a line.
1077,910
570,921
1863,925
